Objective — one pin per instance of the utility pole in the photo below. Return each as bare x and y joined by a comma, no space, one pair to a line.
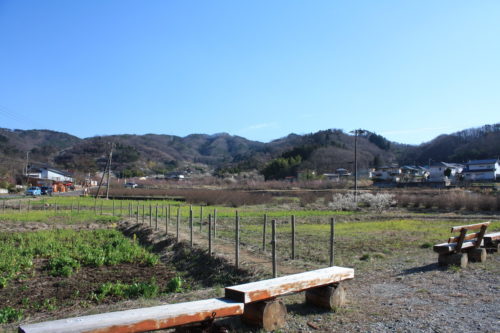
109,170
356,133
106,169
27,167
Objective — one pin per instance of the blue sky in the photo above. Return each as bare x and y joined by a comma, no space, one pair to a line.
409,70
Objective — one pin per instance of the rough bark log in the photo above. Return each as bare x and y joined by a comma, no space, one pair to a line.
477,255
328,297
270,315
458,259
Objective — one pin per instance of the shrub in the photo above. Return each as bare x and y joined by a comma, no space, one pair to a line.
175,285
62,266
9,315
343,202
379,201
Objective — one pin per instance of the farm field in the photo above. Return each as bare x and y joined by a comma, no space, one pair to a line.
64,242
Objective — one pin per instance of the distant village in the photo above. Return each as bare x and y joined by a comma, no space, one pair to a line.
437,173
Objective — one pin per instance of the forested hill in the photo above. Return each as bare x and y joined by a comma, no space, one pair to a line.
323,151
473,143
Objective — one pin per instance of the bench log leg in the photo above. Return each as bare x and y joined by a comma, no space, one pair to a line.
269,314
329,297
492,247
477,255
458,259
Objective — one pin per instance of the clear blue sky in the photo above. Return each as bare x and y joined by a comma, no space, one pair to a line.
409,70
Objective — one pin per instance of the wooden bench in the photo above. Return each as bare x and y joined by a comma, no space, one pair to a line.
262,308
256,301
141,320
459,249
492,241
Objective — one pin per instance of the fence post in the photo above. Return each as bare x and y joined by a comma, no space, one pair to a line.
215,222
20,205
166,220
169,212
156,217
264,233
29,204
191,225
150,216
293,237
178,221
332,239
78,206
237,240
273,244
209,234
71,206
121,208
137,214
143,208
95,206
201,217
4,206
102,204
130,210
113,212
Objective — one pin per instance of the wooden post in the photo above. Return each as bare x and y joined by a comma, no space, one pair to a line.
78,206
29,204
20,205
237,240
215,222
166,220
293,237
113,211
143,208
70,210
129,210
191,225
178,222
102,204
273,244
156,217
264,233
201,217
332,240
55,206
150,216
169,212
121,208
4,206
209,234
137,214
95,206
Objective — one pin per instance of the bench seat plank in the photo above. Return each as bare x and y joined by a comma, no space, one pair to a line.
492,236
450,247
266,289
140,320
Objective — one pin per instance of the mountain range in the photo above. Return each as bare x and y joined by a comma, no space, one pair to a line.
323,151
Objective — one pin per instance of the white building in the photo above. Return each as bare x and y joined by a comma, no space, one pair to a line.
482,170
386,173
49,174
444,172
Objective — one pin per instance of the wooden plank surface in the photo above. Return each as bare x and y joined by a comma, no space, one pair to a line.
141,320
266,289
467,237
450,247
492,236
470,226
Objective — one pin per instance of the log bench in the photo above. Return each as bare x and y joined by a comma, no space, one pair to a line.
492,241
257,303
264,309
141,320
459,249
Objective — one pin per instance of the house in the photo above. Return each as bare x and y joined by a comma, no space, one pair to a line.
43,175
413,174
339,173
386,173
444,172
482,170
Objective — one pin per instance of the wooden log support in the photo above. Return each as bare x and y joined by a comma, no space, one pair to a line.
141,320
477,255
329,297
492,242
270,314
267,289
457,259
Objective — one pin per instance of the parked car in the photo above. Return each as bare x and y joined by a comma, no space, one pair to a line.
131,185
34,190
46,190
